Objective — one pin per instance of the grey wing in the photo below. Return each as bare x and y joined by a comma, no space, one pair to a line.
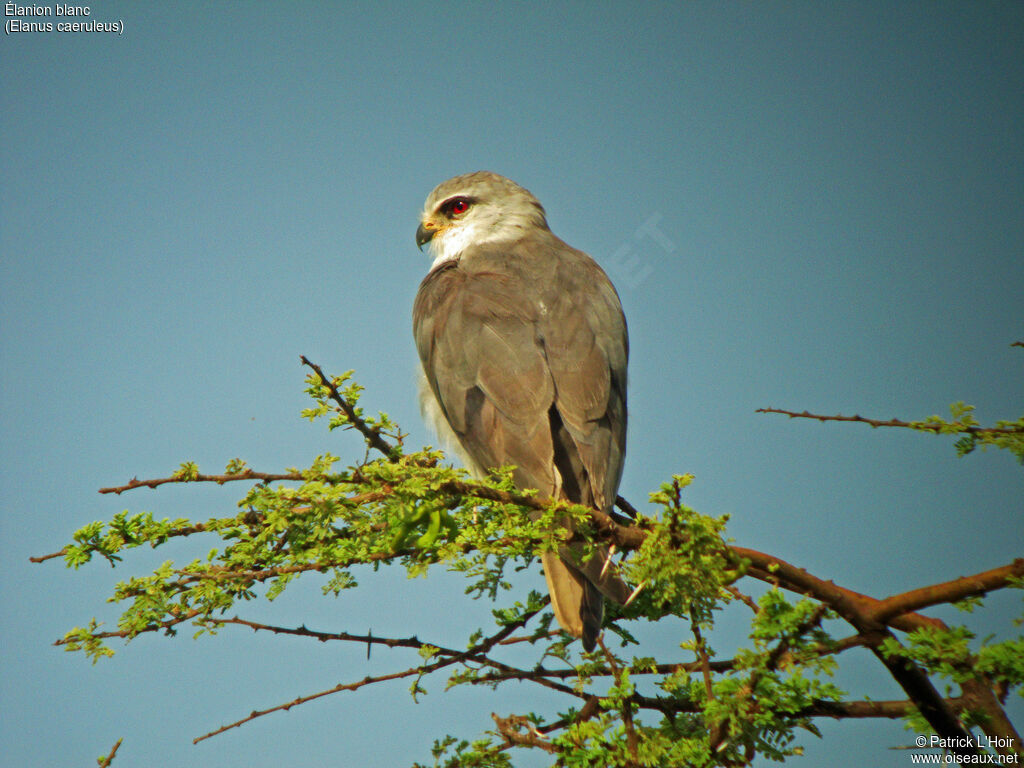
587,349
586,345
500,347
530,371
476,339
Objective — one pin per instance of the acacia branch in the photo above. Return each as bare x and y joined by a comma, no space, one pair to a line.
370,434
776,571
130,633
311,697
632,738
916,425
248,474
691,667
323,637
248,518
892,709
870,709
449,657
226,573
106,761
947,592
186,530
858,610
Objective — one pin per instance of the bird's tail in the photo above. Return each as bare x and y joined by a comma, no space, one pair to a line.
578,591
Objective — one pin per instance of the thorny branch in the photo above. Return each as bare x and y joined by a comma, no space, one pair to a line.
870,617
449,657
545,676
248,474
371,435
106,761
917,425
781,649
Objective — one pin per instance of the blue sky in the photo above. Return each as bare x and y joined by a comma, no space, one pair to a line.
813,206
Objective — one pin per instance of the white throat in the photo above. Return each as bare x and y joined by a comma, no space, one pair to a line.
449,244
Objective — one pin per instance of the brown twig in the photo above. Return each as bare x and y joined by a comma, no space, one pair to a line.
747,600
449,657
106,761
723,665
370,434
170,623
368,680
702,658
947,592
323,637
917,425
632,738
248,474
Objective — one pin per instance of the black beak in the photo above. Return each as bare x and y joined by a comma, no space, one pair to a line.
423,236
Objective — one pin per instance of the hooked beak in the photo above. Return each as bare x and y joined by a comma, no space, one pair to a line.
424,235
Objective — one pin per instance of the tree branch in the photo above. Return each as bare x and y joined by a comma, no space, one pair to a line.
267,477
477,653
371,434
106,761
311,697
858,610
122,633
323,637
917,425
947,592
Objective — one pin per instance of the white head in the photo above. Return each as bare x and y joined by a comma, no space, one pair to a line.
476,208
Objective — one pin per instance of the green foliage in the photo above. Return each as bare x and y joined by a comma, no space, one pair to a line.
88,640
450,752
412,510
684,562
948,653
1006,435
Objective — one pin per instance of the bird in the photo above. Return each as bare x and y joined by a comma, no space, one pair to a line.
524,350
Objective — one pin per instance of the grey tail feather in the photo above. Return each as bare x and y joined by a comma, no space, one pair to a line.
578,602
592,613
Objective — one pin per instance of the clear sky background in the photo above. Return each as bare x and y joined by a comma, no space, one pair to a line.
803,205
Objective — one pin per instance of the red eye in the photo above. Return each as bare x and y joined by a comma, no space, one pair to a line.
459,206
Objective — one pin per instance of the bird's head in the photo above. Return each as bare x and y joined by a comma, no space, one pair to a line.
476,208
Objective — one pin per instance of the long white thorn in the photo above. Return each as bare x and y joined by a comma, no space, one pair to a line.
636,592
607,561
